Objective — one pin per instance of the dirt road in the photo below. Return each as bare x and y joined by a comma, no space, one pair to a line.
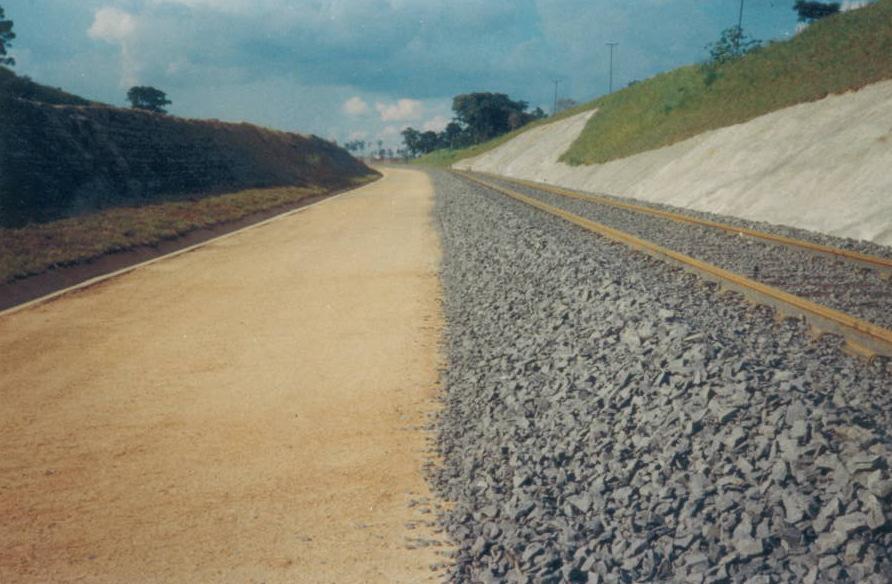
246,412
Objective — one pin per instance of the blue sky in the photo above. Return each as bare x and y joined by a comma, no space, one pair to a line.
363,68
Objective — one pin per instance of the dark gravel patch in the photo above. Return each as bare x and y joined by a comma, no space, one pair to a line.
608,418
856,290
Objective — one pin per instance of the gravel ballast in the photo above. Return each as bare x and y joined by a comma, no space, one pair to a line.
608,418
855,289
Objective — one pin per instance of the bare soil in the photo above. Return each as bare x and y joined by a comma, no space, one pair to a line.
246,412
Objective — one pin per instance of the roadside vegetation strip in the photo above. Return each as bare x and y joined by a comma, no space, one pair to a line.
40,247
9,307
881,264
862,337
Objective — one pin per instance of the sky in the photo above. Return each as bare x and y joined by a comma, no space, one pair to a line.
364,69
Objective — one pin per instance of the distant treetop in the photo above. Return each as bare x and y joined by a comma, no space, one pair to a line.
811,11
148,98
6,37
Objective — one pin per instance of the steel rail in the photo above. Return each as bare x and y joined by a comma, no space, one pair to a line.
883,265
862,338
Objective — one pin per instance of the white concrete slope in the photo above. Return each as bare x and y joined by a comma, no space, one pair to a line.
824,166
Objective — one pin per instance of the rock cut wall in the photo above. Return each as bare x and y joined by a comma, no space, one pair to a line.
58,161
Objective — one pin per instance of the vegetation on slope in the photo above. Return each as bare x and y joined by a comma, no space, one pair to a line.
839,53
39,247
52,142
834,55
11,85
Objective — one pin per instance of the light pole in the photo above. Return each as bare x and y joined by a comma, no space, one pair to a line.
554,107
612,47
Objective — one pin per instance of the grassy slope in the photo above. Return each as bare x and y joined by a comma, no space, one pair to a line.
11,85
39,247
838,54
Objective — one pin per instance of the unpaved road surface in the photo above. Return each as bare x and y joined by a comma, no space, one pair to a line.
246,412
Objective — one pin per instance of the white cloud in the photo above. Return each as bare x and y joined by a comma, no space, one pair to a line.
118,27
436,124
401,111
112,25
854,5
355,106
234,6
358,135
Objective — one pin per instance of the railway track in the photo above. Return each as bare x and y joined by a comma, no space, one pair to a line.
862,337
880,264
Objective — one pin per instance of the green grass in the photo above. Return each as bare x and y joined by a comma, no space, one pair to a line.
838,54
37,248
841,53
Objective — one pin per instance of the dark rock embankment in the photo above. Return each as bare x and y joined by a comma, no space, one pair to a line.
64,160
610,419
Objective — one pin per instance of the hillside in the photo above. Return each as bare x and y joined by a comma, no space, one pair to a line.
11,85
58,161
80,180
841,53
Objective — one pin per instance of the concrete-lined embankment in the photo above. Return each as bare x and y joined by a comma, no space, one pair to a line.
820,166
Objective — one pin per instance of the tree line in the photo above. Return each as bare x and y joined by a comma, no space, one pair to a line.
361,147
478,117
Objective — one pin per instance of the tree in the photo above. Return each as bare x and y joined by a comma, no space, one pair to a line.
353,146
412,140
6,37
452,136
733,44
487,115
812,11
429,141
148,98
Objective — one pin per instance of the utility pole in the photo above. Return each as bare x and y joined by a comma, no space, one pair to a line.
554,108
739,34
612,47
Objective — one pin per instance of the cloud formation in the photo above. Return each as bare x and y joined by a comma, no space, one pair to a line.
361,65
404,110
436,124
112,25
118,27
355,106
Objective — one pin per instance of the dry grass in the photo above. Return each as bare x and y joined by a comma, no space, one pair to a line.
37,248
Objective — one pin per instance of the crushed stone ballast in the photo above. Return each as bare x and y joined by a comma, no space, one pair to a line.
722,259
